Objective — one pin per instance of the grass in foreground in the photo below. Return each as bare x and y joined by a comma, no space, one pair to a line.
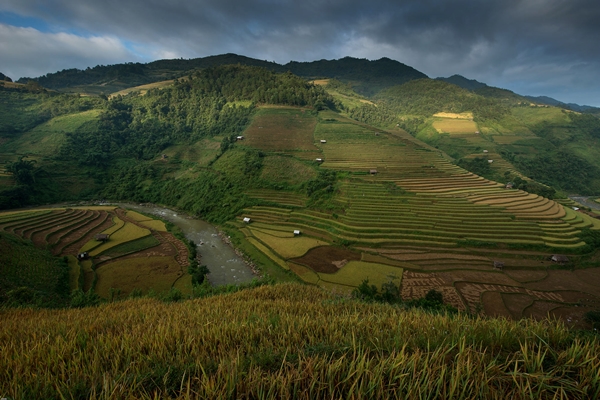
287,341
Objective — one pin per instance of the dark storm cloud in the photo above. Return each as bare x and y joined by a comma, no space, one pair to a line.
531,46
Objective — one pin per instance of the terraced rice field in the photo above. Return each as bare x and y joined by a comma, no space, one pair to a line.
405,206
139,254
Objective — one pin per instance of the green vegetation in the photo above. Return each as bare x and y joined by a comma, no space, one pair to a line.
31,276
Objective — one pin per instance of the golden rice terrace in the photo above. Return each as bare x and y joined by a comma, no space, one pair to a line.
404,213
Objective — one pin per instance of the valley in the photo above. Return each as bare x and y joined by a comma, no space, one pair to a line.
324,185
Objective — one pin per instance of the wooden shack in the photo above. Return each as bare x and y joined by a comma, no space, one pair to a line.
101,237
373,172
296,232
498,265
559,258
323,141
247,220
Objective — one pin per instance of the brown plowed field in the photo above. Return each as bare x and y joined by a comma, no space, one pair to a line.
325,258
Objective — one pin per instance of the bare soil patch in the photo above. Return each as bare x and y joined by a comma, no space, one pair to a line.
326,258
494,306
568,280
516,303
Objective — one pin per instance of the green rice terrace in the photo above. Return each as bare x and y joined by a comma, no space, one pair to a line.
400,211
108,250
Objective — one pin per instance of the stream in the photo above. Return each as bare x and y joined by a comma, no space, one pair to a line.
225,266
586,201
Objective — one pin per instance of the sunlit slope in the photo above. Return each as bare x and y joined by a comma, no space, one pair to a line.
407,215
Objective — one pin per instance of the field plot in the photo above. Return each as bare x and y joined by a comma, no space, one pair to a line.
280,129
154,273
454,125
405,206
136,243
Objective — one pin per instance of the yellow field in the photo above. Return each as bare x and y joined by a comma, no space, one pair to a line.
320,82
153,273
263,249
449,125
154,224
127,233
143,89
353,273
465,115
288,247
136,216
93,243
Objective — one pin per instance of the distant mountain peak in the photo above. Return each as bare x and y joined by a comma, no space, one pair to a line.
465,83
4,78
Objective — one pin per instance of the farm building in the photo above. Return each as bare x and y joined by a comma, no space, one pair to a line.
576,208
164,156
373,172
490,161
101,237
498,265
509,185
83,256
558,258
240,138
296,232
485,151
323,141
247,220
319,160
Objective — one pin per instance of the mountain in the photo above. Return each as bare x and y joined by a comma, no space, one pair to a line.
569,106
386,189
459,80
366,77
4,78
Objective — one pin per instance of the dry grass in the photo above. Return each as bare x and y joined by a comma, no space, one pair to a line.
465,115
287,341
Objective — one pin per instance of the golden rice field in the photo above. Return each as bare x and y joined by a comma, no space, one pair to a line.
287,341
454,125
406,207
139,254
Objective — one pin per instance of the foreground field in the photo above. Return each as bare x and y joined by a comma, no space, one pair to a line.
403,208
138,255
287,341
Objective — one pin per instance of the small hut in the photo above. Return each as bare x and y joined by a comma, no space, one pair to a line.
559,258
509,185
323,141
164,156
247,220
490,161
485,151
83,256
319,160
498,265
101,237
576,208
373,172
240,138
296,232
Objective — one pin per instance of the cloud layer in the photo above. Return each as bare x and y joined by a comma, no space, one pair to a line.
538,47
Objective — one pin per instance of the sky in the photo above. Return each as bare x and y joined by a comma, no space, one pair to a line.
533,47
